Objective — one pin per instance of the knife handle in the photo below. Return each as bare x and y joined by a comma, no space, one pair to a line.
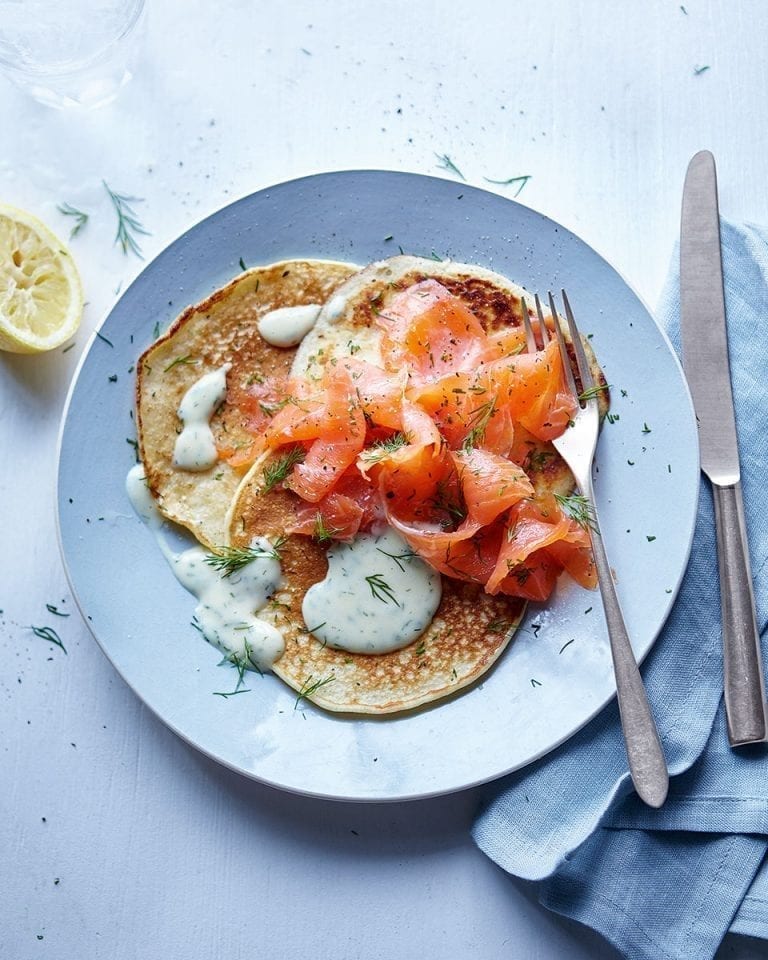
743,674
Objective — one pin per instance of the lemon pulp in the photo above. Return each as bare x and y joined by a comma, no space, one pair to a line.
41,299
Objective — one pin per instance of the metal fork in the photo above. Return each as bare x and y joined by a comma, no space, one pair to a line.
577,448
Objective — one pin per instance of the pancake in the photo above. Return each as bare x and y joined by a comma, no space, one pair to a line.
348,318
222,329
467,635
471,628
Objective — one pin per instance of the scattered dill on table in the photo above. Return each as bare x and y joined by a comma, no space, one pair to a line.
522,181
49,634
128,223
81,218
447,164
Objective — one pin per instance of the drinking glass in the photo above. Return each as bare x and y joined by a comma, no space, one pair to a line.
70,53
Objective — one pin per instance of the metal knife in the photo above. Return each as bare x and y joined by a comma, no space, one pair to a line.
706,364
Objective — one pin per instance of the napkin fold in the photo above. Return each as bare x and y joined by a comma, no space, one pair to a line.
666,883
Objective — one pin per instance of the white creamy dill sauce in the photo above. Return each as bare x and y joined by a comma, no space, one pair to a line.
287,326
335,308
227,605
195,449
377,596
141,499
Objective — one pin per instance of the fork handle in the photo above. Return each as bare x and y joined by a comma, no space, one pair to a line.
743,674
646,758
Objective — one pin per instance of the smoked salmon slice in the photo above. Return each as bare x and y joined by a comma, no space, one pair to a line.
431,332
426,442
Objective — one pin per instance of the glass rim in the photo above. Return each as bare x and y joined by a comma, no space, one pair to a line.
57,68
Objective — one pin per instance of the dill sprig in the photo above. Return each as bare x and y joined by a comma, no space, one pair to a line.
478,422
323,532
594,392
276,471
128,223
181,361
232,693
399,557
51,608
444,500
537,460
382,448
49,634
227,560
506,183
380,589
270,409
447,164
242,662
81,218
311,686
578,508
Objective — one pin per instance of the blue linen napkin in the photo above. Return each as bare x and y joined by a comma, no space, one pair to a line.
666,883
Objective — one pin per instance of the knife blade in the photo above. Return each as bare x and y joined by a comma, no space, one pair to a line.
707,368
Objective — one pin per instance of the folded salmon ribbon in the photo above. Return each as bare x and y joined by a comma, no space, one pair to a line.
427,443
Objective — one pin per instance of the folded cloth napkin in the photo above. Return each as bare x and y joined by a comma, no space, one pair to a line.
666,883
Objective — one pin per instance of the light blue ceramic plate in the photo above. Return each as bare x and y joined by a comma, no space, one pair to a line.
557,674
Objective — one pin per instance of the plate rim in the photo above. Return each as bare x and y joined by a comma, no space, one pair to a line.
380,798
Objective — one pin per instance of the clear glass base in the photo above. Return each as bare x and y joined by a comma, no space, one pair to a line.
73,91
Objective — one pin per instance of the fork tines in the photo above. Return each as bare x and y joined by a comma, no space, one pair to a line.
582,364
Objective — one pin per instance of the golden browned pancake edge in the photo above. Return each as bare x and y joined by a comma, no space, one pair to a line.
221,329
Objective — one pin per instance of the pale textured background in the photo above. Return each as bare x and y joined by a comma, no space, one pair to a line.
159,853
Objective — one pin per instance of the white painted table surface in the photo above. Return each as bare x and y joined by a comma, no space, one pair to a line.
116,839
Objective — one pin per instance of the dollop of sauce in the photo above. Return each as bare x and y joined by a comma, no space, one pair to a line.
335,308
287,326
227,605
377,596
195,448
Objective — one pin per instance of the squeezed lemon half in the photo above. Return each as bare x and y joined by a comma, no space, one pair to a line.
41,297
